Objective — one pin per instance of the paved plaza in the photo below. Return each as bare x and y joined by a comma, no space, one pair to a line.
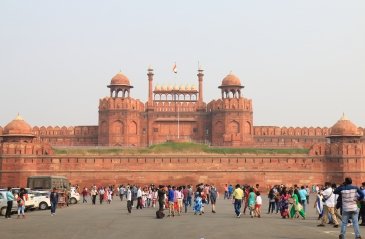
112,221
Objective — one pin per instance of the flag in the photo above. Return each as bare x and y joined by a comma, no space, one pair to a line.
174,69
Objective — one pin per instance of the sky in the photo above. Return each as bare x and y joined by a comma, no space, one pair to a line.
302,62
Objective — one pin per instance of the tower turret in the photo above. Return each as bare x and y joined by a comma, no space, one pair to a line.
120,83
231,87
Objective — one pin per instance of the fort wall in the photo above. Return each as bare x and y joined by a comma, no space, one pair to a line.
183,169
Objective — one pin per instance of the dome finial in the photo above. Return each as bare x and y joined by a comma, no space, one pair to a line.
344,117
18,117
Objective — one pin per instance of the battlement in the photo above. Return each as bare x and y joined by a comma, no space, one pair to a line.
67,136
230,104
109,103
31,148
290,131
65,131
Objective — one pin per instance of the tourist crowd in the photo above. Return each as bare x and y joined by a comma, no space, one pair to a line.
333,203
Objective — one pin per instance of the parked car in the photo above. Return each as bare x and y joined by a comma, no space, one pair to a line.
74,195
4,204
41,199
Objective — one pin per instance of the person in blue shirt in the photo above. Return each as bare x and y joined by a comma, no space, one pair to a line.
9,198
303,196
171,198
230,191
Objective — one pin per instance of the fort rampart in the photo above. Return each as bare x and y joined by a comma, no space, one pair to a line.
183,169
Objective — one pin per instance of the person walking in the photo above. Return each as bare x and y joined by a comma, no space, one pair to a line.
93,193
251,201
129,199
139,198
350,196
171,199
329,203
237,197
258,205
362,206
54,200
161,196
213,197
84,195
271,197
9,199
303,197
101,195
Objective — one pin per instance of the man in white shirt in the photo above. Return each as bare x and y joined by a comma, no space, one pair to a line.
329,203
129,199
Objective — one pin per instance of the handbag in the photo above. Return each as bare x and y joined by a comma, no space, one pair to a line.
325,199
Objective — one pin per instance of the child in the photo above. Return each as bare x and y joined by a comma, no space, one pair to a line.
21,206
258,204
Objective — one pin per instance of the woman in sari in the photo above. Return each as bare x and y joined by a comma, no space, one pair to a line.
318,205
297,208
198,202
284,203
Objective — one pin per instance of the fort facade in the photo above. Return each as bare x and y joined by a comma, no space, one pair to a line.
179,113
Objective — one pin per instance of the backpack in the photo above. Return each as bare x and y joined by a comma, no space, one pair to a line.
160,214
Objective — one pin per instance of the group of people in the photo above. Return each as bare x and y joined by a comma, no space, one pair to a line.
174,198
333,204
20,200
345,203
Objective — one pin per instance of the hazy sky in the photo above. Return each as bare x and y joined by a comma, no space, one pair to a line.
302,62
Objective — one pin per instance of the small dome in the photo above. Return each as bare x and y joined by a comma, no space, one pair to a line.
231,80
157,87
182,87
176,87
169,87
344,127
18,127
120,79
164,87
187,87
193,87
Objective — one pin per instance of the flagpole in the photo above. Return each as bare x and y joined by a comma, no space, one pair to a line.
178,113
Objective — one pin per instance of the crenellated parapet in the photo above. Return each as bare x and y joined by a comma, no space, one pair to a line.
65,131
230,104
109,103
290,131
67,136
31,148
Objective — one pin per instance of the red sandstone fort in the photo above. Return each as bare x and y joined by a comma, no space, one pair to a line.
178,113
